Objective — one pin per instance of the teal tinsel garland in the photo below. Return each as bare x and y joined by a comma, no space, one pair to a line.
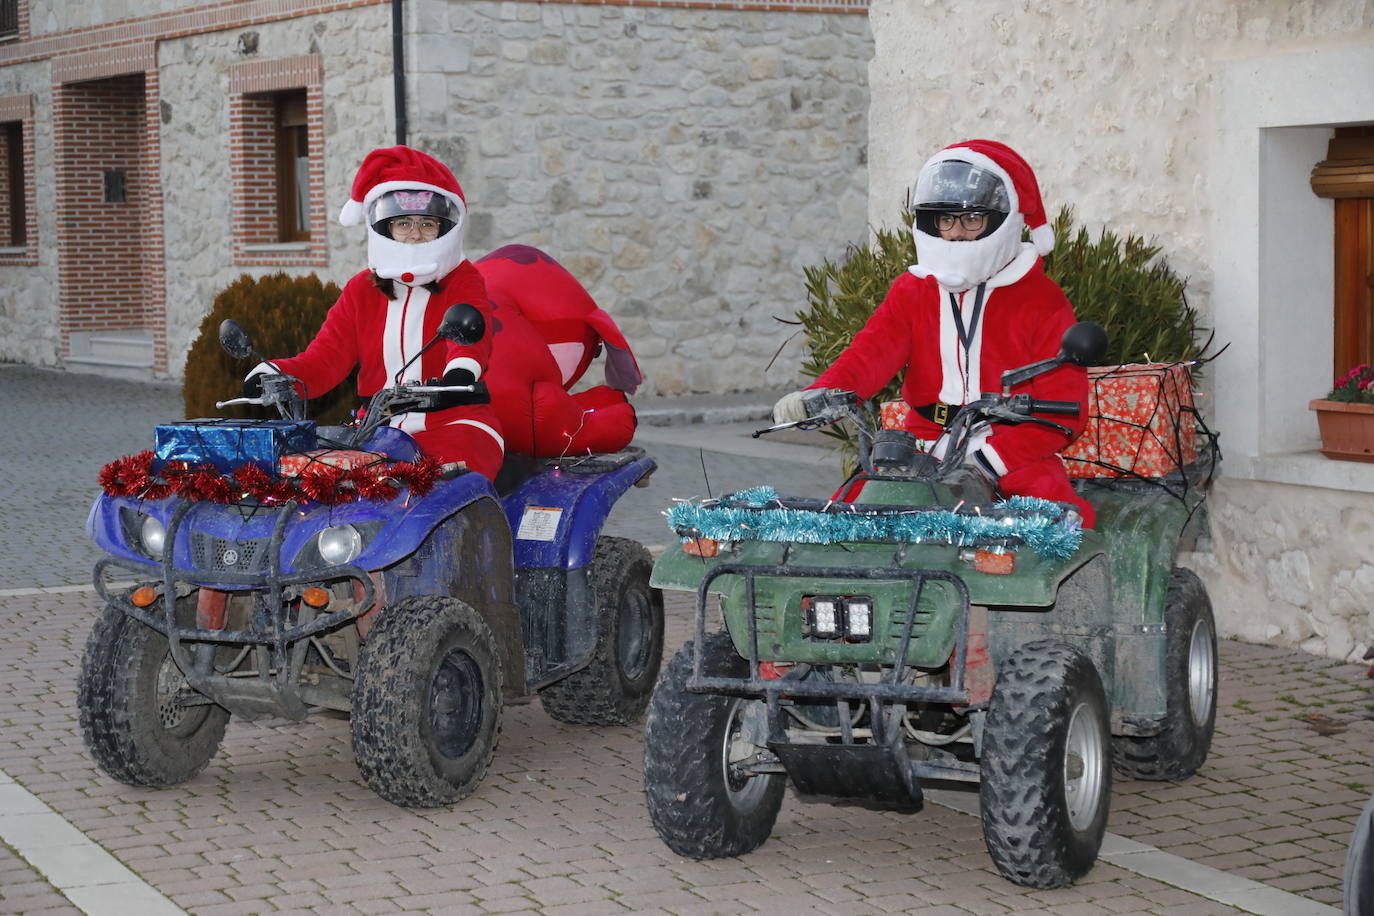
759,514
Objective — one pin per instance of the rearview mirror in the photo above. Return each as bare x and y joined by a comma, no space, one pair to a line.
234,339
1084,344
463,324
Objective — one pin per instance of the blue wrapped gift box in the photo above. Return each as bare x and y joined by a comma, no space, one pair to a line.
229,444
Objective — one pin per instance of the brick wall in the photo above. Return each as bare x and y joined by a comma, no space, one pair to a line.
100,126
252,144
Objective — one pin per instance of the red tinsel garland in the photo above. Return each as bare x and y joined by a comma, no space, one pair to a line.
133,476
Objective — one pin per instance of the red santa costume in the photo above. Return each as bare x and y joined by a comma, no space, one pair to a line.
379,334
968,311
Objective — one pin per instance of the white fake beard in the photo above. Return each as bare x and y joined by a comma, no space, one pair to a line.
426,262
961,265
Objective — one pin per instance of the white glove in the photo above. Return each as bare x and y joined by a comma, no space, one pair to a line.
790,408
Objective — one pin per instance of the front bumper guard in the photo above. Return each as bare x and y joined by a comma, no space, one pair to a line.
879,769
274,694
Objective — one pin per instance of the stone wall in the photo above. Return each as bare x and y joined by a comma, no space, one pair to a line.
356,52
1291,566
28,293
685,165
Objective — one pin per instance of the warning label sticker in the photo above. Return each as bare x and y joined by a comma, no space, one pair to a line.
539,523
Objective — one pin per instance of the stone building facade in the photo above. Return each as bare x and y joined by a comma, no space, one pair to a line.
1198,123
684,160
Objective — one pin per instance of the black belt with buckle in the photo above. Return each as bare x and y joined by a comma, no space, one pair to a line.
939,413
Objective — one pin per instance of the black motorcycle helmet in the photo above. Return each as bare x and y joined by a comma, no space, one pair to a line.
953,186
412,202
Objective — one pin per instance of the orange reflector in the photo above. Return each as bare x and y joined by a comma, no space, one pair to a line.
315,596
771,671
997,564
701,547
143,596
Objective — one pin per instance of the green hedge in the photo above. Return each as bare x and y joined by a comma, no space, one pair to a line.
281,314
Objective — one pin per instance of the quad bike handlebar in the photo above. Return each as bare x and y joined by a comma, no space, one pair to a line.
462,323
826,406
1082,345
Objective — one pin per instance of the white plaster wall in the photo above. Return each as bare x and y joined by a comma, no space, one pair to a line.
1196,122
685,165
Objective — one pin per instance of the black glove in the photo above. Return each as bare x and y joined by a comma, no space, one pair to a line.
457,398
252,386
459,377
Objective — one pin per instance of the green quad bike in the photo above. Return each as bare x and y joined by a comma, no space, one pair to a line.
923,631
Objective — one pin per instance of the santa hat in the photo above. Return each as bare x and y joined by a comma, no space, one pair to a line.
395,168
1006,162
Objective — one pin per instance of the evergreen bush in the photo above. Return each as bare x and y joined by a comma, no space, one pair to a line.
1124,284
281,313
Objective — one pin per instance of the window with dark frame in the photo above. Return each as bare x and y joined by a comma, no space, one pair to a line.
1347,176
16,234
9,18
293,167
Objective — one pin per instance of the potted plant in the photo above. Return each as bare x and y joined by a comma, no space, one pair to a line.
1345,416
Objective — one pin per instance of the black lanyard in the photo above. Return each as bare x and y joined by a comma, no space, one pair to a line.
966,336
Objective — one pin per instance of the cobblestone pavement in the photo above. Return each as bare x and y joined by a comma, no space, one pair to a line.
281,821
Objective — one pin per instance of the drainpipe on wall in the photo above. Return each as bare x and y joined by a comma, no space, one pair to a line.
398,69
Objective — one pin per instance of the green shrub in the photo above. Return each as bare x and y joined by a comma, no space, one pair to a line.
1125,285
281,314
1121,283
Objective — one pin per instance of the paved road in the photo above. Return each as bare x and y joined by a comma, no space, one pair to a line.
281,821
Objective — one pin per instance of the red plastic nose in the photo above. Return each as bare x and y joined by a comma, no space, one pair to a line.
407,277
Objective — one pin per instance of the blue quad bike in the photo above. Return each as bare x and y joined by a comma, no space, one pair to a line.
418,615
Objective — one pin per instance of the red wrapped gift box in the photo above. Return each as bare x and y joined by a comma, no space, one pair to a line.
894,414
1140,421
346,458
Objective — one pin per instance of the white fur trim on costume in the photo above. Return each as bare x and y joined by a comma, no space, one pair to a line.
483,427
1018,268
1042,237
465,362
403,334
994,459
352,213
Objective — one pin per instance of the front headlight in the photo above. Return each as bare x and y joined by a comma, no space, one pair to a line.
340,544
152,536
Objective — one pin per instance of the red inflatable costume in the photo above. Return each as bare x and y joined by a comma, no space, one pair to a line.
547,331
967,312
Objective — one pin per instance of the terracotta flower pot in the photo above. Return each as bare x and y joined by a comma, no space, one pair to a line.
1347,429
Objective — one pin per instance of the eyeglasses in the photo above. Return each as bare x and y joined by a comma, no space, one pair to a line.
972,222
425,226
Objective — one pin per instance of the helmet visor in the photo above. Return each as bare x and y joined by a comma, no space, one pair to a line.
414,203
954,185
